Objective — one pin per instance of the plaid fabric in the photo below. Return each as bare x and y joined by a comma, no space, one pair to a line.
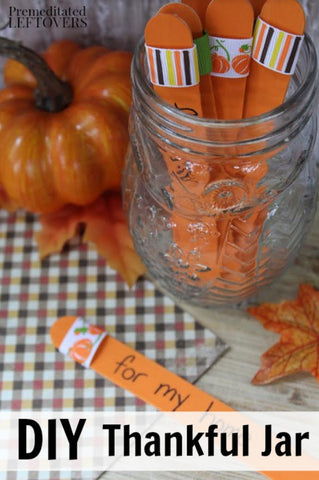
33,294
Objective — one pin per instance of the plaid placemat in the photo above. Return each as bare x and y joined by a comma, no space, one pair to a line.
33,294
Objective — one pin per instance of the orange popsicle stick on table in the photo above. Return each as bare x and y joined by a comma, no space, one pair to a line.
113,356
131,370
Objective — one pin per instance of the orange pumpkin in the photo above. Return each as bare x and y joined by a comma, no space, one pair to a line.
220,63
240,64
63,135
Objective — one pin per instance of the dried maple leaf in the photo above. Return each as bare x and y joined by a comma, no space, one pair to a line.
298,348
107,228
57,229
104,225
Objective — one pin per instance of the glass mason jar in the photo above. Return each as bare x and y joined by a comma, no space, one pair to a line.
218,209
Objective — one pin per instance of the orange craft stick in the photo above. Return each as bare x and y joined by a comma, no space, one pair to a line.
230,23
273,55
143,377
187,14
113,357
172,34
166,31
200,6
195,24
257,6
266,89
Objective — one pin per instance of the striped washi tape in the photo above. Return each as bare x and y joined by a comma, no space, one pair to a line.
275,49
173,68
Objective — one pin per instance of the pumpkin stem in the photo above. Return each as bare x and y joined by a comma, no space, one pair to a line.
51,93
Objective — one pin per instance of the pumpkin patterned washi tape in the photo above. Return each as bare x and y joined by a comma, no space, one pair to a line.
82,341
173,67
276,49
230,56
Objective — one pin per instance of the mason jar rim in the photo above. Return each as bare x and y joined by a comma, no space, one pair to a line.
309,77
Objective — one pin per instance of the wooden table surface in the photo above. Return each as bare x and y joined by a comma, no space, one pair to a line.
230,378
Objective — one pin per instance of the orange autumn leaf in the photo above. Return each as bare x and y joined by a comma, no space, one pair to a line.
107,228
57,229
104,225
298,348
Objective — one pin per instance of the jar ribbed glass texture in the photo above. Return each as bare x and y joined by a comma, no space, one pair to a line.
219,209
